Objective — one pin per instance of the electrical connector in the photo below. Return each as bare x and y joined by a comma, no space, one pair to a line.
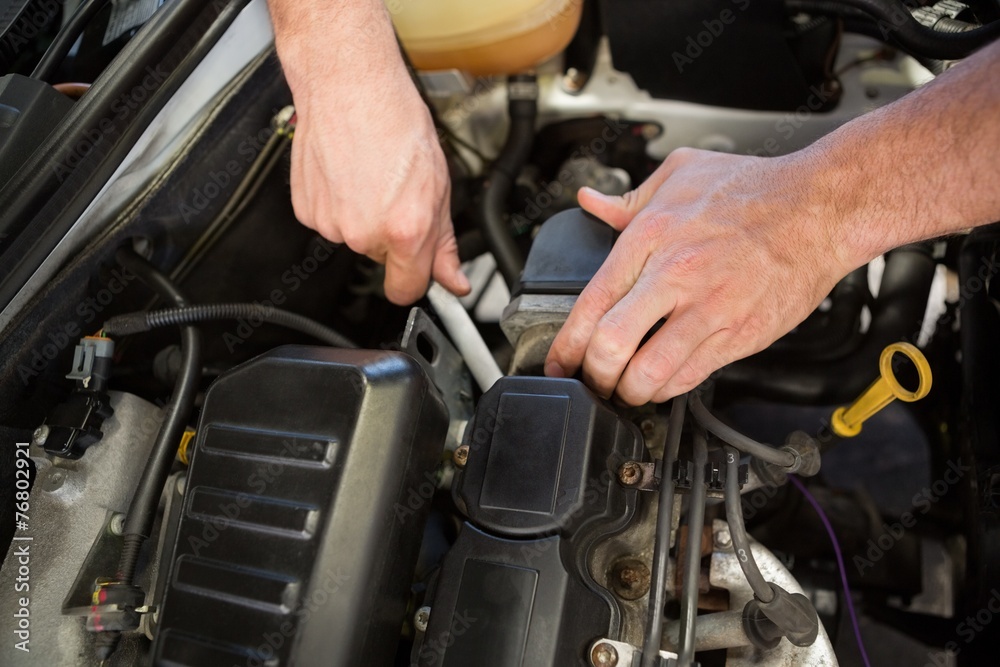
789,615
92,362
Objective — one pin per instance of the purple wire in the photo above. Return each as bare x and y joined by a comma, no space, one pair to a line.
840,563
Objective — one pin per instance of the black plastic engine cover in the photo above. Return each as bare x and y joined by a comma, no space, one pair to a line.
289,549
510,603
543,459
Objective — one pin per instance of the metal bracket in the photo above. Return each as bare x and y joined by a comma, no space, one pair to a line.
444,365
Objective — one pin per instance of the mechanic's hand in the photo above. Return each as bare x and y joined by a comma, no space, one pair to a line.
367,167
731,250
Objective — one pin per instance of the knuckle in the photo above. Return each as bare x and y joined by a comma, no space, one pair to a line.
689,376
655,368
405,234
679,156
611,341
688,263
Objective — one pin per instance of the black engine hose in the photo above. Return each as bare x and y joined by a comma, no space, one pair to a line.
692,560
142,509
664,524
522,92
732,437
737,529
130,323
904,29
65,38
896,315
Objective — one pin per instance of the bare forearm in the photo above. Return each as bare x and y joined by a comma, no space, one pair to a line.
343,43
922,167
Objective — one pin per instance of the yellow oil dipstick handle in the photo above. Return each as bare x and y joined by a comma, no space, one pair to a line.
846,422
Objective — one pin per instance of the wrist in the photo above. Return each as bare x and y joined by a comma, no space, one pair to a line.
839,202
343,46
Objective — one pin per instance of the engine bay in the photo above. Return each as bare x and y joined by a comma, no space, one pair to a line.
222,444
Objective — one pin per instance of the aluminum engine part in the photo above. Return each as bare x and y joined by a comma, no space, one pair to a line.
72,504
725,572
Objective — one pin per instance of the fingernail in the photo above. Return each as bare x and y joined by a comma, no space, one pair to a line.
462,282
554,370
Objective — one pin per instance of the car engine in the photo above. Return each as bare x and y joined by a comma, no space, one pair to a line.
220,444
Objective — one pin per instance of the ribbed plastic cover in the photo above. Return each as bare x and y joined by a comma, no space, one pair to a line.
291,547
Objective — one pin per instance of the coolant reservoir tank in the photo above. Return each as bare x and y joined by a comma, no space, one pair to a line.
484,37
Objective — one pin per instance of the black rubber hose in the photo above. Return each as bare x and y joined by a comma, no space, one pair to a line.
903,29
664,523
130,323
66,37
142,509
522,91
737,529
896,315
731,436
692,563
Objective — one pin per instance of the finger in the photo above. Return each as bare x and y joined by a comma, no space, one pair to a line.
714,353
663,356
407,274
617,335
447,266
612,281
618,211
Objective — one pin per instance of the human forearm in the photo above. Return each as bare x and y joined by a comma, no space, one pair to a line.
344,43
925,166
367,167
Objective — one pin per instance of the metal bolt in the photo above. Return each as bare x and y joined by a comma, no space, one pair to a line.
650,131
421,618
630,579
461,456
723,540
604,655
630,473
573,81
117,525
648,427
54,480
40,435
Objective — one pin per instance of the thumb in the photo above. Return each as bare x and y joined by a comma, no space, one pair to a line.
618,211
447,267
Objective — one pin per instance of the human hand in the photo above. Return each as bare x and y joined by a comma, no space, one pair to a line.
367,167
734,251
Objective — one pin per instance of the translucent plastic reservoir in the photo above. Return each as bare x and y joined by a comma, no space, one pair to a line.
483,37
